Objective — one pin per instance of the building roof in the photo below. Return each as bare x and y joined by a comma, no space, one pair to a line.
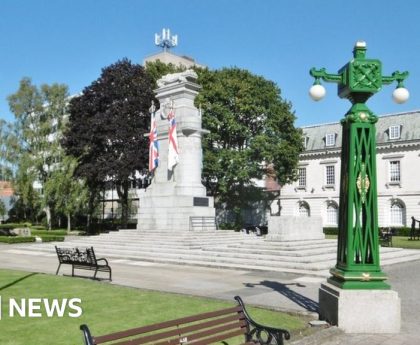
168,57
409,123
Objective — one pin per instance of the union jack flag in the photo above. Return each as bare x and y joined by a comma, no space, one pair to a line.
153,144
173,157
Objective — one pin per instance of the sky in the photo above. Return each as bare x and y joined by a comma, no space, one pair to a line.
61,41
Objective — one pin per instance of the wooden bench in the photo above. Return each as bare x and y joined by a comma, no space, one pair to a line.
82,259
201,329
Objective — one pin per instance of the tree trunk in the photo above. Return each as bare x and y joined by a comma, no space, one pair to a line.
47,210
91,206
68,222
122,191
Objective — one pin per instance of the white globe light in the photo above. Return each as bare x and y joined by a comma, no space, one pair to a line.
400,95
317,92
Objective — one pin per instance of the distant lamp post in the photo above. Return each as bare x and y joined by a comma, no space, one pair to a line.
357,264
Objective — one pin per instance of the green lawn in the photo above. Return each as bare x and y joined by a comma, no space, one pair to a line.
397,242
106,308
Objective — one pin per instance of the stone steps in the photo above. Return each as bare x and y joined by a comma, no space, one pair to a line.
218,249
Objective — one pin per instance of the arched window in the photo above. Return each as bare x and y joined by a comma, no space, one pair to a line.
304,210
332,214
397,213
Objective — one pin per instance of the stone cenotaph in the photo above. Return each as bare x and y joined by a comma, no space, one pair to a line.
174,196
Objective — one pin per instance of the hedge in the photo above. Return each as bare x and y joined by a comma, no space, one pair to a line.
52,238
49,232
16,239
331,231
15,225
38,227
403,231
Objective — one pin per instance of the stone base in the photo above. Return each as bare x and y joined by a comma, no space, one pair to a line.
290,228
360,311
171,213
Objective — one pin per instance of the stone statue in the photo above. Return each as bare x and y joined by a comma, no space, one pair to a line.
177,78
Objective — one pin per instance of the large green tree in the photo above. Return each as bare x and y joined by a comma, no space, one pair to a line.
107,126
251,130
40,116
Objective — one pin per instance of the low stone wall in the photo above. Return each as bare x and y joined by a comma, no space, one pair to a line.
292,228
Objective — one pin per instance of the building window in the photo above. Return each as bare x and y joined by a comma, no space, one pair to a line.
302,177
330,139
304,210
394,171
397,214
332,214
394,132
305,142
330,175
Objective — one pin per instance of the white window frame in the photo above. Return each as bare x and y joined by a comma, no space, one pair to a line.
332,214
394,173
330,139
395,132
328,177
304,210
396,214
302,177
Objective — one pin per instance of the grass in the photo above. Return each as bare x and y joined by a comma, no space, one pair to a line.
397,242
106,308
405,242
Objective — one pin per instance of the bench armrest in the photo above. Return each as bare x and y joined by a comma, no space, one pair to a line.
103,259
87,337
262,334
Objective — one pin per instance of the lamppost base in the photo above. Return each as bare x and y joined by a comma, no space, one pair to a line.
360,311
358,280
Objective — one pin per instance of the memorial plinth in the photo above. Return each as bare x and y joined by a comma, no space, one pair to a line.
174,196
291,228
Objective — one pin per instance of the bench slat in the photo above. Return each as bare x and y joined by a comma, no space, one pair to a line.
145,329
174,336
184,331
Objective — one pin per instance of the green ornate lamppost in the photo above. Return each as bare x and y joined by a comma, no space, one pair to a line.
358,265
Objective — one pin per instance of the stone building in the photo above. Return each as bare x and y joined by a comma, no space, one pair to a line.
398,164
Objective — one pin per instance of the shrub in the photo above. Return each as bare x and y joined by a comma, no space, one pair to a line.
228,226
16,239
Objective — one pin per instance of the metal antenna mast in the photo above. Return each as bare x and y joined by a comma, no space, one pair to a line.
166,41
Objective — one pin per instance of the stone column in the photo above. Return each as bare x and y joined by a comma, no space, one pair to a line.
175,196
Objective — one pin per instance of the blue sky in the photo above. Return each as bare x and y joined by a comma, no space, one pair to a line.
70,41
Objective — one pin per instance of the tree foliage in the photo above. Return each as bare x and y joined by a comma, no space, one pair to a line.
251,128
107,126
69,193
40,116
157,69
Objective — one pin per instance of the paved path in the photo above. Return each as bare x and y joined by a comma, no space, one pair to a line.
272,289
